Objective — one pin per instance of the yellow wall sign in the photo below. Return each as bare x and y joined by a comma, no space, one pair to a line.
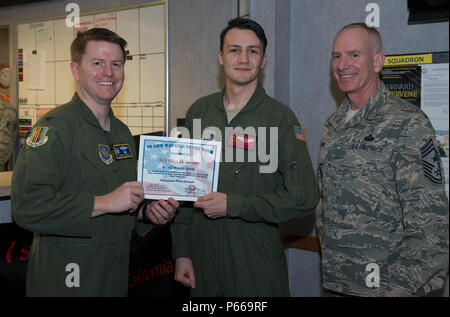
408,59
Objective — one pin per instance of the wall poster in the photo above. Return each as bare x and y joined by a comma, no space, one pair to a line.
423,80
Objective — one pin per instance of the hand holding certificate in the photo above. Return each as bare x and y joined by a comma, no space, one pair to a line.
183,169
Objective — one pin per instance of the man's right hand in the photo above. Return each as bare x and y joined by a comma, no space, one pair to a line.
126,197
184,272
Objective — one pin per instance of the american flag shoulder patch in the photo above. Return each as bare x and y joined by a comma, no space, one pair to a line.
431,163
300,133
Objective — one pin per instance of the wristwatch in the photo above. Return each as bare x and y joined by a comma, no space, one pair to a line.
145,218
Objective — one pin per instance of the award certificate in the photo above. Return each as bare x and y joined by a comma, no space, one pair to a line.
183,169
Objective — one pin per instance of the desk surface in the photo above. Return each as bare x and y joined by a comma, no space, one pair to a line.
5,178
5,209
5,185
5,192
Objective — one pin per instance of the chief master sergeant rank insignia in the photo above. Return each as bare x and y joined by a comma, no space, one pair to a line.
431,163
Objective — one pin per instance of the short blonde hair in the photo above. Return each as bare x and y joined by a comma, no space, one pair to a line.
374,35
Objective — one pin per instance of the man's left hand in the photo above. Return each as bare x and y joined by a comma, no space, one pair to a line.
214,205
162,211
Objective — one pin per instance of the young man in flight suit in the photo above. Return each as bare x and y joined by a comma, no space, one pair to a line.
74,182
229,244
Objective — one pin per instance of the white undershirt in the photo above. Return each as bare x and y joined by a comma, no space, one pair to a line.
350,114
107,127
231,113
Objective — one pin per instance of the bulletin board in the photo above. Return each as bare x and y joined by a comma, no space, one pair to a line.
423,80
45,80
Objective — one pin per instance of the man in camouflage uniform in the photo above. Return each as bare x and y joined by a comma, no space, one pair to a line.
383,214
8,132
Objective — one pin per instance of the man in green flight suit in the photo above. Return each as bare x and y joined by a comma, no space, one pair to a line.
229,243
74,183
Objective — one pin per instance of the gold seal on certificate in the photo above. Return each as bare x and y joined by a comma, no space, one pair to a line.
183,169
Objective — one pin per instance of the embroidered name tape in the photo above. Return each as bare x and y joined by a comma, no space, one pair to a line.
38,137
243,141
122,151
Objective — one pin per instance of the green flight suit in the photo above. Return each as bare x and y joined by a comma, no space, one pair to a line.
242,254
57,174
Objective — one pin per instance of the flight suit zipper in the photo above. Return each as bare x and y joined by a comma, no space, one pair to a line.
291,169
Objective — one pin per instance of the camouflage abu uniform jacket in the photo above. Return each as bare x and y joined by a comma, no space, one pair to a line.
8,132
382,201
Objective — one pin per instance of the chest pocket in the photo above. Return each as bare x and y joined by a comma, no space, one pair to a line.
95,169
99,170
367,160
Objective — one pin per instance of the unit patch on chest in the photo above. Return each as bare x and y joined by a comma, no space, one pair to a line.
105,154
209,135
122,151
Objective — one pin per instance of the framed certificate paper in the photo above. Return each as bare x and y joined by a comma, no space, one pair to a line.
183,169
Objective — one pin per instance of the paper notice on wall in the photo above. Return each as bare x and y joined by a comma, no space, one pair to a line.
435,104
36,70
435,94
106,21
26,119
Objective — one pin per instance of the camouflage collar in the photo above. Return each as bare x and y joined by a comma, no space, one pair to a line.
375,102
367,112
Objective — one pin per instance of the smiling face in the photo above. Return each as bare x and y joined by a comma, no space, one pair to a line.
356,63
242,57
100,73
